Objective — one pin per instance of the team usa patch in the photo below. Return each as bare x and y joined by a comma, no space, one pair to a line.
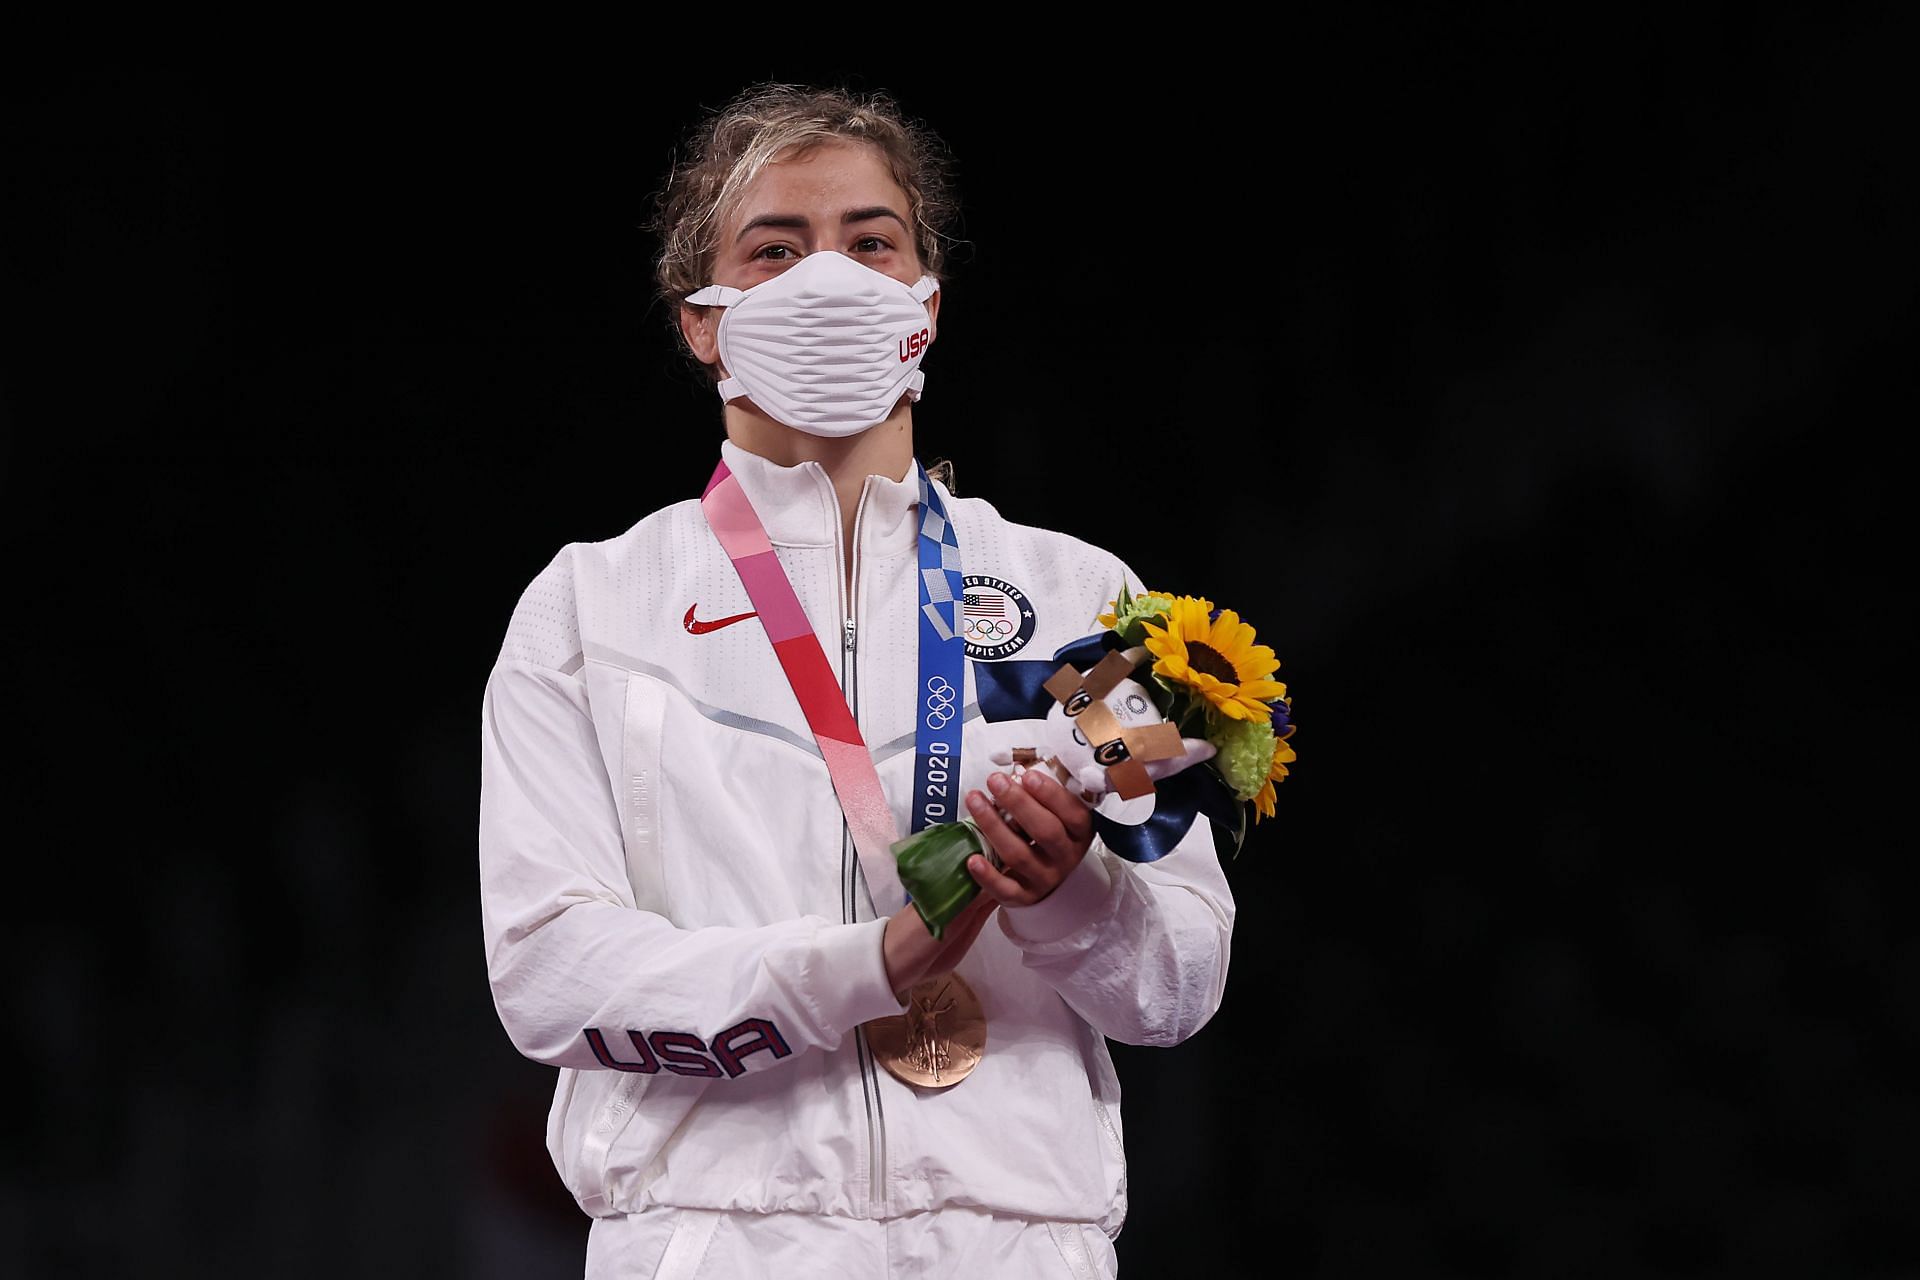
996,618
686,1054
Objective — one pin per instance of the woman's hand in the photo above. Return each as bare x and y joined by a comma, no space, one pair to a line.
1047,837
913,955
1041,840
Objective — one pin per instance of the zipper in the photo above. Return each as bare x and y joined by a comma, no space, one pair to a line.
849,859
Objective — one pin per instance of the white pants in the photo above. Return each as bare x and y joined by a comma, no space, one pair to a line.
696,1244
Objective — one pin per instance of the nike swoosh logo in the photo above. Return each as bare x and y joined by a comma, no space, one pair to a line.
697,628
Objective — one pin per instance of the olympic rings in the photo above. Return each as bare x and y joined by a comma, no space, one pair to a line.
984,629
940,703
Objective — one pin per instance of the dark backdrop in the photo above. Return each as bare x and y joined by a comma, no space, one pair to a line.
1535,389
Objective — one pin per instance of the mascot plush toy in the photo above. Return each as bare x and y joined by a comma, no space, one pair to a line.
1104,734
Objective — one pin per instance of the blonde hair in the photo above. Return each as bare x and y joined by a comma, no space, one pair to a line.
731,146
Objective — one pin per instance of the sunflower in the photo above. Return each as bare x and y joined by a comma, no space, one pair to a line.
1216,658
1282,756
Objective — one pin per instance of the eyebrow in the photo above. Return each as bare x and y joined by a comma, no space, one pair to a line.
799,221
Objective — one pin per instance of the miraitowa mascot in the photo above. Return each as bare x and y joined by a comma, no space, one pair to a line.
1093,768
1105,739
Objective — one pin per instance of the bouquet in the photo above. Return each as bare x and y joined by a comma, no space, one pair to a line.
1173,692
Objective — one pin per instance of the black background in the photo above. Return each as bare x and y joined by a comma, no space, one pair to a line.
1539,388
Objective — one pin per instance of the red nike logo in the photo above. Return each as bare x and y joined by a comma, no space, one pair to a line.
701,628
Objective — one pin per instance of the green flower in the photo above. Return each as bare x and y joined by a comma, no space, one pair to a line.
1126,612
1245,754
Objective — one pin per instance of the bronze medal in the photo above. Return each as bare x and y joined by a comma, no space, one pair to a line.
937,1040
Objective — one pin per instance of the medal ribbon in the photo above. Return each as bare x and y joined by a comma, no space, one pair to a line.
856,783
943,665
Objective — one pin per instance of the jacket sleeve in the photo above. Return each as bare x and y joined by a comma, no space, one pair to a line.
582,976
1137,949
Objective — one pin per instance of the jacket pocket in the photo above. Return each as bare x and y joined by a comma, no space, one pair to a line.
687,1247
607,1121
641,793
657,1243
1115,1147
1087,1253
1116,1152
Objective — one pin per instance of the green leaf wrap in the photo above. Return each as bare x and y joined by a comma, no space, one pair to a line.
933,867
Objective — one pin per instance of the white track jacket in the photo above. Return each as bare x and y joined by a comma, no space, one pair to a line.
674,913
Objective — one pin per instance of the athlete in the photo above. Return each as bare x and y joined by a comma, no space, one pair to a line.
700,734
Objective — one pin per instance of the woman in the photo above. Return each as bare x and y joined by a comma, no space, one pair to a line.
685,909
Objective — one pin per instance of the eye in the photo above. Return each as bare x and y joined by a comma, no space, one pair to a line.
877,245
766,252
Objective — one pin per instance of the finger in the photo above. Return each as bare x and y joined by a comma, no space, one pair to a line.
1039,822
1018,858
1008,848
998,785
1074,816
1004,890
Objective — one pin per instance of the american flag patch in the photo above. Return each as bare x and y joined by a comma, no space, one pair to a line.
976,606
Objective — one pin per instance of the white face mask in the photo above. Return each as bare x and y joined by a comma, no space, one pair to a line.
828,346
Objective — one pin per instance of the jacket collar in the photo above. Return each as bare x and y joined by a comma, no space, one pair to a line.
798,507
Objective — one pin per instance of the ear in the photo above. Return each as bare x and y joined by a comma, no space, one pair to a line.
933,316
697,325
